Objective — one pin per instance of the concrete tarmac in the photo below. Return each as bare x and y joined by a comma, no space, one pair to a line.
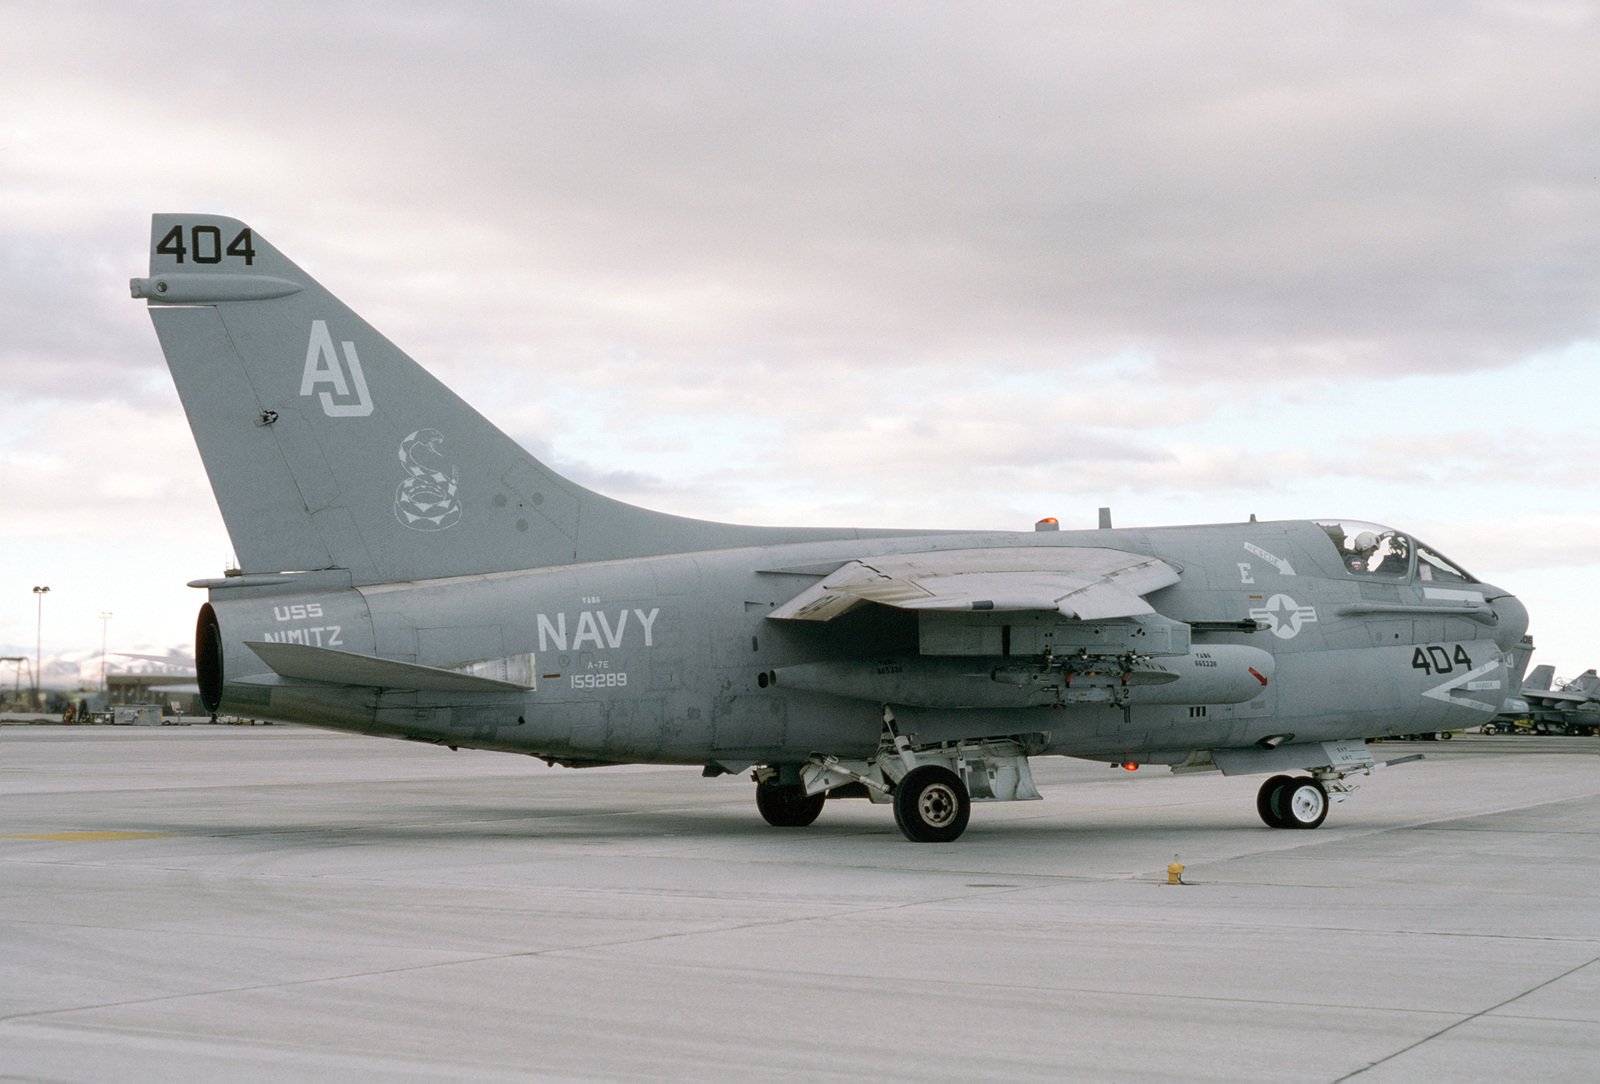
222,902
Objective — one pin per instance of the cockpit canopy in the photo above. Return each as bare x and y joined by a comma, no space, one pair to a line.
1372,551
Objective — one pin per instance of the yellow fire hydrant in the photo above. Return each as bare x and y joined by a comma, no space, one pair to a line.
1175,872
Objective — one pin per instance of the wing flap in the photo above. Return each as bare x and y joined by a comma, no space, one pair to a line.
1086,583
325,666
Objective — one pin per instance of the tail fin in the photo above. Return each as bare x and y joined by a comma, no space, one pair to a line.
1587,682
328,447
1540,678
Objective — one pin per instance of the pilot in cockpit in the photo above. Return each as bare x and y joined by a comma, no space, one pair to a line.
1365,547
1393,548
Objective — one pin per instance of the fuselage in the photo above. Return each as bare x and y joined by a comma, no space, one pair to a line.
675,658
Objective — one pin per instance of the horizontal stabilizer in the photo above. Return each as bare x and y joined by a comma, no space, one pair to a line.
325,666
1087,583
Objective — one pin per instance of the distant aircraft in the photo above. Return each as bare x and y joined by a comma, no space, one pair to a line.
408,570
1572,707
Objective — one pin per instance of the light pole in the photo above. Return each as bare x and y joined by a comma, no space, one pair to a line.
38,643
105,616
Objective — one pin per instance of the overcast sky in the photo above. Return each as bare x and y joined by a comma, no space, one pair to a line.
874,264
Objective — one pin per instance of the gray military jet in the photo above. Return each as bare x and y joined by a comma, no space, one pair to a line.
408,570
1571,707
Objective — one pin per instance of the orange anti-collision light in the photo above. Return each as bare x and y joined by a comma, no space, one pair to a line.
1130,766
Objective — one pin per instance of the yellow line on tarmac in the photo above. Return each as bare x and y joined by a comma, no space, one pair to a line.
91,837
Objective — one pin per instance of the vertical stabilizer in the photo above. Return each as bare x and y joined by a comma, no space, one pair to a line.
328,447
1540,677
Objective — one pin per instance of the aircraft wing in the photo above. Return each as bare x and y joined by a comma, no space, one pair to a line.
1563,695
1087,583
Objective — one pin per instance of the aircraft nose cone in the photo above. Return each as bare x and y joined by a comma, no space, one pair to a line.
1513,621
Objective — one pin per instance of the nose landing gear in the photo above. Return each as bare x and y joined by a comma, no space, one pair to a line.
1287,801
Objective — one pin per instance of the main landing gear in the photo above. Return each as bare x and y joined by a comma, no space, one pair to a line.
1287,801
931,786
931,805
787,805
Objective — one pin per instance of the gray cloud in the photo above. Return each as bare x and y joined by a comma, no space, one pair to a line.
1235,189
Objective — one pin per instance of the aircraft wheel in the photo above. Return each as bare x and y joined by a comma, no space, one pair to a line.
787,805
931,805
1488,728
1264,802
1304,803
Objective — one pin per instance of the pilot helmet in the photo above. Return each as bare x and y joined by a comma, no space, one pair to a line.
1366,540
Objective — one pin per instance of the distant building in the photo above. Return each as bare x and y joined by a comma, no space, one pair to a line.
179,688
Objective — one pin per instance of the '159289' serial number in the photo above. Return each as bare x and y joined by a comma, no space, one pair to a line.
602,679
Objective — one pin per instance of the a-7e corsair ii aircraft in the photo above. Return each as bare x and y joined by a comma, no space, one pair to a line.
408,570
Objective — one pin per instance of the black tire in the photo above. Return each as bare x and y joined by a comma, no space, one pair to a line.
1264,805
787,805
931,805
1303,803
1488,728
